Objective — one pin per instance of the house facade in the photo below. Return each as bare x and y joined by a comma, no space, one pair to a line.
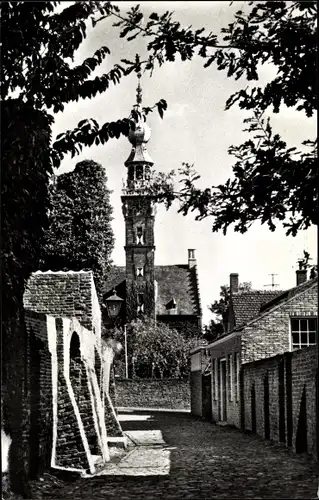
285,321
263,369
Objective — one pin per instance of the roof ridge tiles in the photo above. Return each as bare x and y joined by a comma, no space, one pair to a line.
62,272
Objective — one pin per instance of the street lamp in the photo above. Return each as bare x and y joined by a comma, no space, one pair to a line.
113,306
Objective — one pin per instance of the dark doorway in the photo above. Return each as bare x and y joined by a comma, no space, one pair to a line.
206,397
289,399
266,408
242,399
281,390
223,391
301,435
253,409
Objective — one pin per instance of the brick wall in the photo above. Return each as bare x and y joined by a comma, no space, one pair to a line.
286,385
304,366
270,335
254,375
153,393
139,256
40,393
196,393
59,294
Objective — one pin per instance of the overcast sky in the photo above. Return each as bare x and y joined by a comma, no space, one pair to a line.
195,129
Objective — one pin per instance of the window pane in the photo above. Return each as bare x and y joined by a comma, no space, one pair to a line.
303,325
312,324
295,338
295,325
312,337
303,337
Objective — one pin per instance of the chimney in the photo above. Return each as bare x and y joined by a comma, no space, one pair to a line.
191,258
301,275
233,282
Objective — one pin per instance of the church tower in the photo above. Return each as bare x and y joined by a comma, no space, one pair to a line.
139,213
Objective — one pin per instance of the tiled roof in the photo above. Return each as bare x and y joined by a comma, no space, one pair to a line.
277,298
115,277
176,281
61,294
288,294
247,305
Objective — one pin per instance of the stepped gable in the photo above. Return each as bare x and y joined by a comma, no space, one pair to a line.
177,282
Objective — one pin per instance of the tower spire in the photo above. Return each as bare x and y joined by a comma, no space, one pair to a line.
139,90
140,135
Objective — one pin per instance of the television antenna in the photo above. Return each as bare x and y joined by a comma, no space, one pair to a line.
272,284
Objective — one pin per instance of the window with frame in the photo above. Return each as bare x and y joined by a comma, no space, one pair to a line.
303,332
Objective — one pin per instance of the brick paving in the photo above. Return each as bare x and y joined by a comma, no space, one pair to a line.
206,461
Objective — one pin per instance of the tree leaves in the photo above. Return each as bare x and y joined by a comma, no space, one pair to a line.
272,182
80,235
158,351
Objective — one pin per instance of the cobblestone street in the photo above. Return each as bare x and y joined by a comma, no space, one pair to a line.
203,461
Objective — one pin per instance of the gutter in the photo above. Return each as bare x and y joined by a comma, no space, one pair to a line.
223,339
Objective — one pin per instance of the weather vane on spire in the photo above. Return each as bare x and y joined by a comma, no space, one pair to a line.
139,89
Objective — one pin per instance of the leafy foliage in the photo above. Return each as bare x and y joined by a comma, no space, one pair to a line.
272,182
38,77
80,235
220,308
38,51
156,351
25,177
25,174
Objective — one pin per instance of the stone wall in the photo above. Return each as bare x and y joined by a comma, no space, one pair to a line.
284,390
153,393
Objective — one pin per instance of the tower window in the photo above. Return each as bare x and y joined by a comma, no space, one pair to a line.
139,172
130,174
139,271
140,303
139,235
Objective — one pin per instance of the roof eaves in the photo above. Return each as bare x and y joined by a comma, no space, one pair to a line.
220,340
286,295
